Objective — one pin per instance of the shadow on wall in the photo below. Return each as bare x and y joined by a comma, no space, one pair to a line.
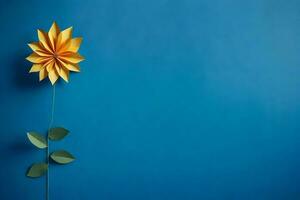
17,149
20,147
21,76
21,82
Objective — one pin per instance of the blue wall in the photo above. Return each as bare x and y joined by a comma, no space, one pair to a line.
177,100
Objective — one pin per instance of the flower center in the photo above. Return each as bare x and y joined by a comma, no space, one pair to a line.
55,55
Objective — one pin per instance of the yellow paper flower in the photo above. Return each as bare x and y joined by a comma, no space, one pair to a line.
55,54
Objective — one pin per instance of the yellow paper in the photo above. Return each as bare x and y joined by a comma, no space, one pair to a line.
55,54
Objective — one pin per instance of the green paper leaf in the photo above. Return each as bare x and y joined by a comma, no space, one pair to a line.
37,140
57,133
62,157
37,170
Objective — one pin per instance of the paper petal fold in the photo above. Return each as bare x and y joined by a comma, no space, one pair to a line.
36,68
35,58
43,37
43,74
53,34
64,73
53,76
73,67
73,45
72,58
63,37
39,49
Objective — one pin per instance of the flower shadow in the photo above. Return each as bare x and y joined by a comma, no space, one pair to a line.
19,149
21,76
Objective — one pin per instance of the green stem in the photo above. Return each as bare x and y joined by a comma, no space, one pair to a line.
47,152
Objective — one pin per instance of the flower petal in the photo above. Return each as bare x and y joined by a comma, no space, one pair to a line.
53,34
49,66
35,46
53,76
43,74
43,37
36,68
39,49
63,37
35,58
73,45
57,67
71,57
44,53
73,67
64,73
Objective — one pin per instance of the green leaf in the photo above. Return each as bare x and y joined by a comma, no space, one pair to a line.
62,157
37,170
57,133
37,140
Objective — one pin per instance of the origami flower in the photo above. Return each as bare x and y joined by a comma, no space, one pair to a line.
55,54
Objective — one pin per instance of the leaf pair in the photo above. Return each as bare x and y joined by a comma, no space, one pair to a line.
61,156
39,169
38,140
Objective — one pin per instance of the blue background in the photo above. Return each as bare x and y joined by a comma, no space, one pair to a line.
177,100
